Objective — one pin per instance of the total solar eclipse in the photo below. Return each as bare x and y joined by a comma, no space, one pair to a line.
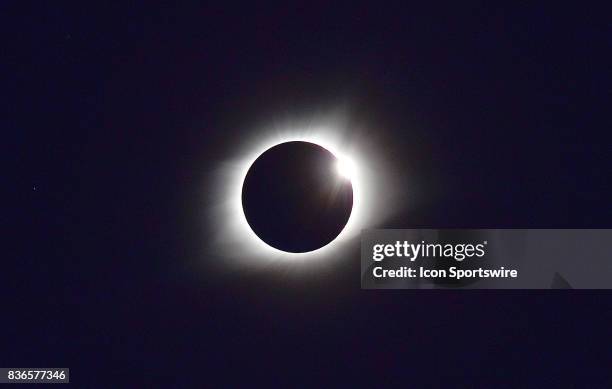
297,196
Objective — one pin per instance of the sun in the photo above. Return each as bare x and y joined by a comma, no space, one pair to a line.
357,162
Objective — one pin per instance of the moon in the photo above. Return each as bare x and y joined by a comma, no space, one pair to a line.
297,196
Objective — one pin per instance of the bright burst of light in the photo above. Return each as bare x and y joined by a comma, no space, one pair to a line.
345,167
357,162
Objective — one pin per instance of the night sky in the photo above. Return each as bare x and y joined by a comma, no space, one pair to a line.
115,119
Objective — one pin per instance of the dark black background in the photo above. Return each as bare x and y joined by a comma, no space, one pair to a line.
113,114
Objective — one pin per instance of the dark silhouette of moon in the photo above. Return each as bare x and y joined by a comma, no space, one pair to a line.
294,199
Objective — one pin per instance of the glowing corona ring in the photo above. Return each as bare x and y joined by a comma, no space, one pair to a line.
237,241
346,168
